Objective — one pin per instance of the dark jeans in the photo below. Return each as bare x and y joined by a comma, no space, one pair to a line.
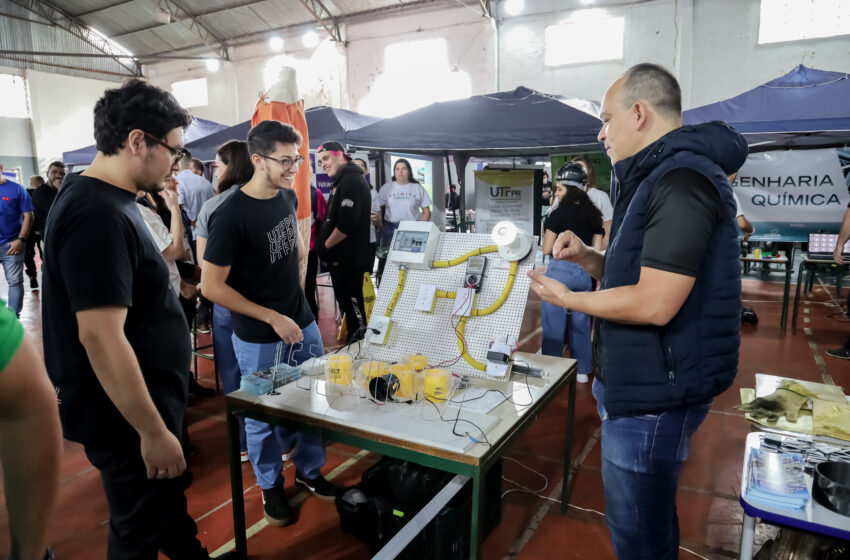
348,289
145,516
310,283
641,460
33,241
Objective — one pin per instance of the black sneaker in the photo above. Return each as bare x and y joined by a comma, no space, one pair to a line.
842,353
318,486
276,509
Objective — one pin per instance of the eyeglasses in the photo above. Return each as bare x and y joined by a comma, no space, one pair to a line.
176,153
287,163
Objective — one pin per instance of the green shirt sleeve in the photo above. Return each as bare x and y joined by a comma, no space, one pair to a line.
11,335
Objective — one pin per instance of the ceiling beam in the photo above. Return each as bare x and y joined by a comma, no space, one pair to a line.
485,8
357,17
103,8
28,20
94,55
80,30
322,15
196,15
67,67
207,36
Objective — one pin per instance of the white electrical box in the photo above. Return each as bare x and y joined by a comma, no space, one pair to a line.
378,330
464,298
414,244
426,298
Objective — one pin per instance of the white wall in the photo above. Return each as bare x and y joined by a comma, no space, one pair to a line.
62,112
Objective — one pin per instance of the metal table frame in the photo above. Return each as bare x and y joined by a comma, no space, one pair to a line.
811,265
788,261
470,466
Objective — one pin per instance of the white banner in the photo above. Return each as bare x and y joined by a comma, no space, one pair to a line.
793,191
504,195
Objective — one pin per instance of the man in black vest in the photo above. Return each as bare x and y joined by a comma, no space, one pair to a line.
668,311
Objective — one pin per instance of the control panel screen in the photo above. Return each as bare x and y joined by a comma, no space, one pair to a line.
411,241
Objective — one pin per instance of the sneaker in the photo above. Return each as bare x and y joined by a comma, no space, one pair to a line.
34,283
203,328
582,377
276,509
842,353
199,390
289,455
318,486
243,456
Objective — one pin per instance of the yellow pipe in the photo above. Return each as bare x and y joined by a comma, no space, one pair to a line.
463,258
461,326
445,295
402,274
505,292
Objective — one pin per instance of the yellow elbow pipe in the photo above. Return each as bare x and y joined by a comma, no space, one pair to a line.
402,274
461,327
463,258
502,298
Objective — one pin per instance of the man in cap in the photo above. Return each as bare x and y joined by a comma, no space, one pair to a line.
344,238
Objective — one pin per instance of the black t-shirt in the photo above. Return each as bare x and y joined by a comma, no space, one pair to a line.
349,210
258,240
573,217
99,253
681,216
42,200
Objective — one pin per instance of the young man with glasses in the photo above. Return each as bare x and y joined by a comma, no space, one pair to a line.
116,343
251,267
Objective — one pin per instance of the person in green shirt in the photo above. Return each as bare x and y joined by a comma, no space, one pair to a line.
29,420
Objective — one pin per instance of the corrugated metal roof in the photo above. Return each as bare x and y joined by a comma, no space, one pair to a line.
155,27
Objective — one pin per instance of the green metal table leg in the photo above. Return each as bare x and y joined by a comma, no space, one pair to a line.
789,266
476,536
797,298
236,485
568,453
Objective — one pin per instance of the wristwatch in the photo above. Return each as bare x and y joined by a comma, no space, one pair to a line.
24,239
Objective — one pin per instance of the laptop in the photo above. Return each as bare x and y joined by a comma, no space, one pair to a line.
821,246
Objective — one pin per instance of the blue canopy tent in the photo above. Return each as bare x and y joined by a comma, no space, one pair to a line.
198,128
518,122
805,108
323,124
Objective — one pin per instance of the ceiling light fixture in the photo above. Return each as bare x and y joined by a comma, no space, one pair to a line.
276,44
310,39
514,7
213,64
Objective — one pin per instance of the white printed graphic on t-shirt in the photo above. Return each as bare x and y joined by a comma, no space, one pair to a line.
282,238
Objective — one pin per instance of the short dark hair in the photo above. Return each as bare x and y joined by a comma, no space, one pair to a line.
655,85
263,138
135,105
198,164
234,155
56,163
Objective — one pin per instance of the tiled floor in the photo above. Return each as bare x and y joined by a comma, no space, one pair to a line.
532,527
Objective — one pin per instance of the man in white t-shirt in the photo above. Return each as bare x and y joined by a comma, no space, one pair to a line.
743,223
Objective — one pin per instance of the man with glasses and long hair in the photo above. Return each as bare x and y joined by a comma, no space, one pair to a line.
251,267
116,343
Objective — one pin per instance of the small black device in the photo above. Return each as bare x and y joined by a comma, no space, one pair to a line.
475,271
748,315
384,388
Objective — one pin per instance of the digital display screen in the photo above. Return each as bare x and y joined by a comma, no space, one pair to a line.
411,241
825,243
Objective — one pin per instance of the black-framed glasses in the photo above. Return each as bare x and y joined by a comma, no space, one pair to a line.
286,162
176,153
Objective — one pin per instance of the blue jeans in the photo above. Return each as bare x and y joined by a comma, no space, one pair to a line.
554,318
641,460
225,359
387,233
266,442
13,266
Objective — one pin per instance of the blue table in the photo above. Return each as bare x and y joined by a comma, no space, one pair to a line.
814,517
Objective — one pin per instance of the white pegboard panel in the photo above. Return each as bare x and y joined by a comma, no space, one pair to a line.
432,334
